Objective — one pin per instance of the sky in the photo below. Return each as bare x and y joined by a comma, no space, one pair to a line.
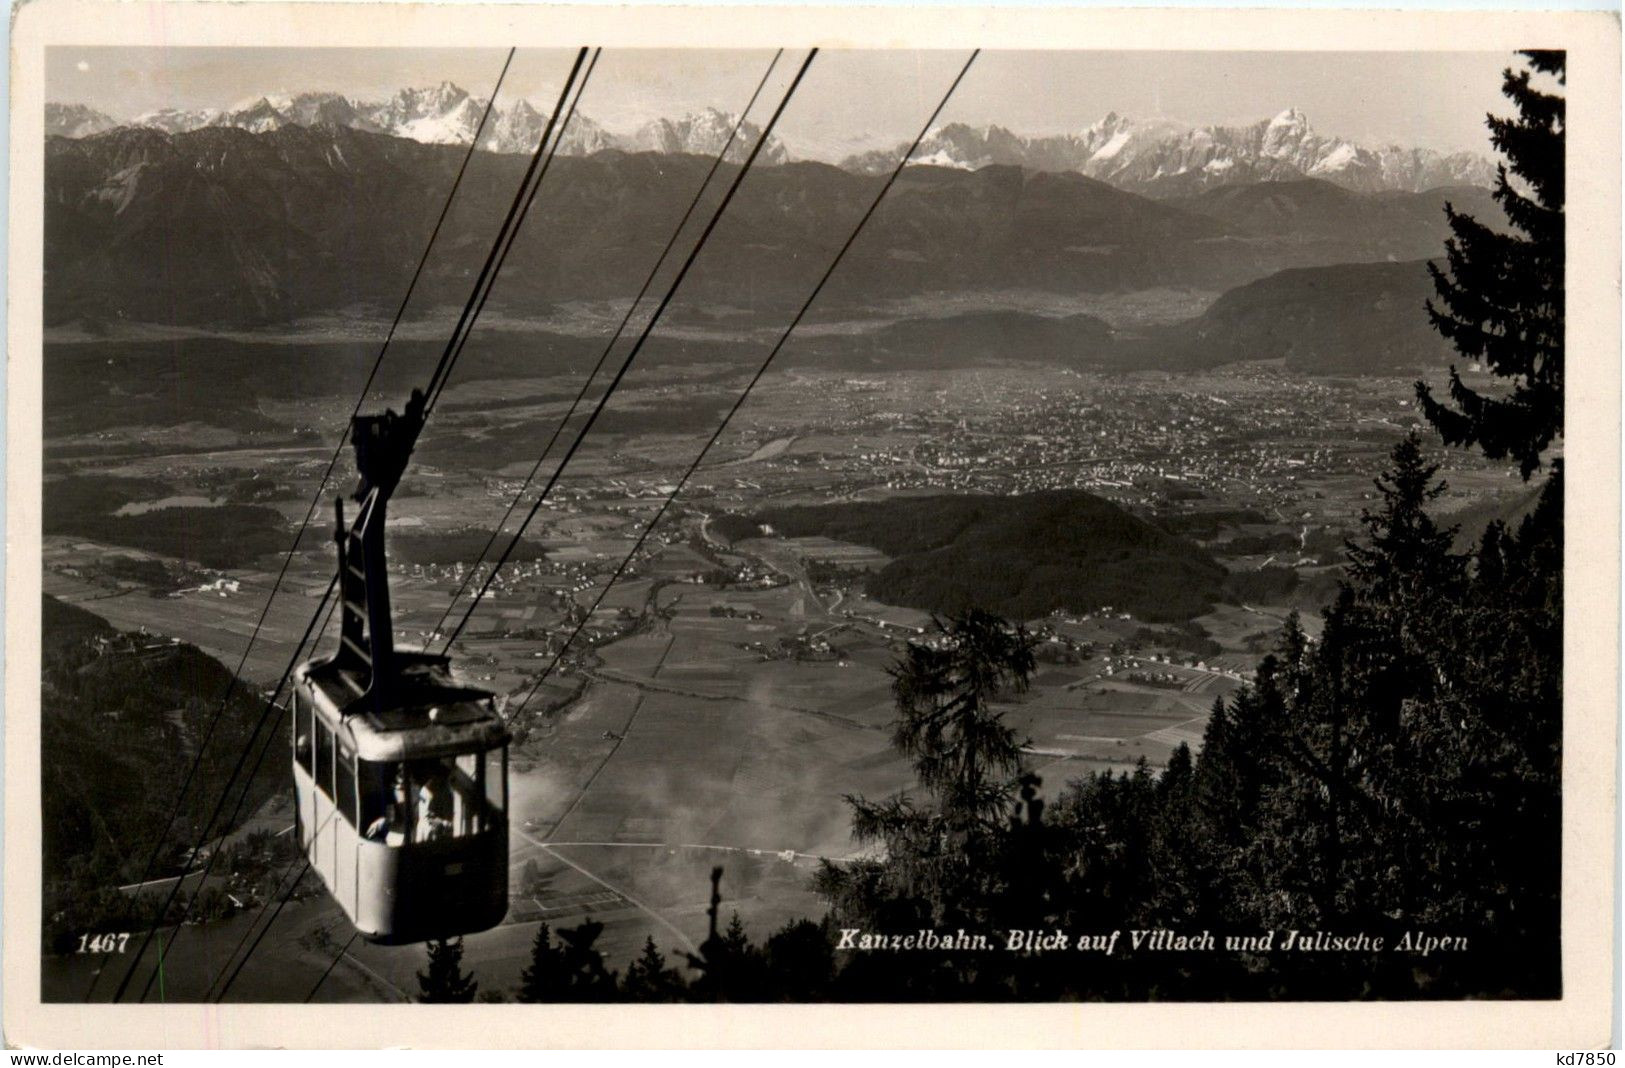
851,100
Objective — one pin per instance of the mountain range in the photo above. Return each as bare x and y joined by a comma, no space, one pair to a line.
440,115
1160,158
222,225
76,120
1350,318
1154,157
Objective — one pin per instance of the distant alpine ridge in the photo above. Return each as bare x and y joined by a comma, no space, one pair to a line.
1152,158
444,114
223,225
1162,159
75,120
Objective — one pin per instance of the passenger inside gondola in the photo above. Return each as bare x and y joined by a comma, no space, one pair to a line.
435,807
423,800
393,803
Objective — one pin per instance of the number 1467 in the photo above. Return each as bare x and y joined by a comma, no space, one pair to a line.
103,943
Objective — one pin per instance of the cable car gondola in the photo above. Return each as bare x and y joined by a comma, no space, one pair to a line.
400,772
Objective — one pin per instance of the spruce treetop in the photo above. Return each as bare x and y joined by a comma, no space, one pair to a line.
1501,294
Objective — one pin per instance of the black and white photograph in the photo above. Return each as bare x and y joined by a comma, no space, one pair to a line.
546,521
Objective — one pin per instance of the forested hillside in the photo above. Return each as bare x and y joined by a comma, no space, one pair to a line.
1021,557
121,718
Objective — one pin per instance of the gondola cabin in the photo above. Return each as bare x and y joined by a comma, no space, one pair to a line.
405,821
400,772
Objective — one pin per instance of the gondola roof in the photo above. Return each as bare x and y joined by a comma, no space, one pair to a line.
426,714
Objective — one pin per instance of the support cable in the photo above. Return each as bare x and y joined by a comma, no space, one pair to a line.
540,160
265,906
342,951
637,346
757,377
470,306
203,837
327,475
603,356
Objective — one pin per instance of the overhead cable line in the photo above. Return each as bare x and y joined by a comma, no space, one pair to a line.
286,896
158,919
757,377
265,906
316,498
248,783
470,306
345,948
604,355
523,198
263,930
517,211
643,337
472,309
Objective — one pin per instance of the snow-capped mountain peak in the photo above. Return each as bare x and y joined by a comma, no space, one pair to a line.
259,117
704,133
1164,158
1290,118
436,100
440,114
177,120
1151,156
75,120
443,114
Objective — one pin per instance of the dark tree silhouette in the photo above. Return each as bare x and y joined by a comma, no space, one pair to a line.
800,962
543,980
443,981
729,967
967,760
570,971
961,747
585,975
1502,299
649,979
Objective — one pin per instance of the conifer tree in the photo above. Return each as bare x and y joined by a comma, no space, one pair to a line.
649,979
570,971
1408,559
1404,582
1175,784
1502,298
1213,783
543,980
443,980
940,845
585,977
1489,737
961,748
734,940
800,962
